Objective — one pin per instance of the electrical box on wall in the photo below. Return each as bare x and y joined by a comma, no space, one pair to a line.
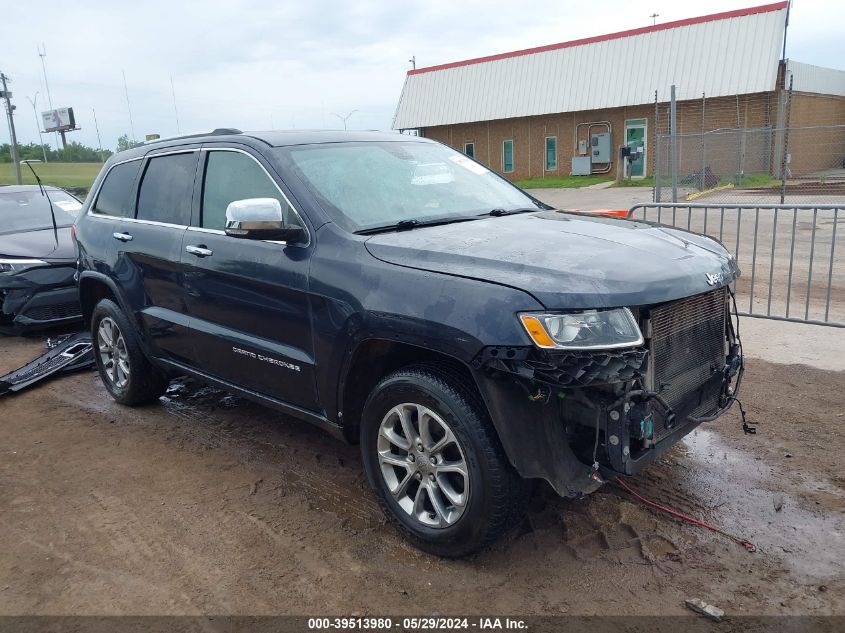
581,166
600,147
582,147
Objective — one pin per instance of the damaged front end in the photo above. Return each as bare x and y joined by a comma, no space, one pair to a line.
589,414
35,295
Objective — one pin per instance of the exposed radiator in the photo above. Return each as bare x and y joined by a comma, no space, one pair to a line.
687,344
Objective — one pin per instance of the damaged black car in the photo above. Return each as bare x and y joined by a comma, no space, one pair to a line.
402,296
37,258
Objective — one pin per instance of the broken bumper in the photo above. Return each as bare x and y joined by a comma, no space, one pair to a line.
568,416
38,299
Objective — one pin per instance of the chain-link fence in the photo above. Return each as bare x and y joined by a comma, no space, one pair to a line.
781,147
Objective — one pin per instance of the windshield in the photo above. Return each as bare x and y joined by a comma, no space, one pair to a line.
371,184
29,210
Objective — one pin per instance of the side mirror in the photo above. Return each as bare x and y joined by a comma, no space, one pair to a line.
260,219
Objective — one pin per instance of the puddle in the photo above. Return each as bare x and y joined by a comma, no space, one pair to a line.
743,494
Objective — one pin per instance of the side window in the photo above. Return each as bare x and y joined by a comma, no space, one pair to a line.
115,191
469,149
551,153
231,176
166,189
507,156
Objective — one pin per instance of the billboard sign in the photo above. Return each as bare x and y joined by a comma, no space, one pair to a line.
58,120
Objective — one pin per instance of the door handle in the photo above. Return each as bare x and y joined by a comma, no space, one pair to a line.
123,237
199,251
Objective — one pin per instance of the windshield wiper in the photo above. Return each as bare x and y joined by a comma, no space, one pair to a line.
497,213
406,225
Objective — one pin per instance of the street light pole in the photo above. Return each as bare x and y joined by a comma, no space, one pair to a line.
42,53
5,94
34,103
345,118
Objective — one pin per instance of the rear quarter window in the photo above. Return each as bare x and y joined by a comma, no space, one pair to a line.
167,189
116,190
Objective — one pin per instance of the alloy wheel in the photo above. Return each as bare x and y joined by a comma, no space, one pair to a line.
423,465
113,354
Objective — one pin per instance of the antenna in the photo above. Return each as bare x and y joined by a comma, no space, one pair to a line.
50,202
413,61
654,17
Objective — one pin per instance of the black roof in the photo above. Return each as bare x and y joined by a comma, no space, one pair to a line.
273,138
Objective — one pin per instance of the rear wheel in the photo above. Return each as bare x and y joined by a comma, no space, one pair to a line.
126,373
435,462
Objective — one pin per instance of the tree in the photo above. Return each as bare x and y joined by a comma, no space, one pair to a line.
73,153
124,143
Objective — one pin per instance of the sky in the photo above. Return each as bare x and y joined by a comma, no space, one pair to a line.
263,65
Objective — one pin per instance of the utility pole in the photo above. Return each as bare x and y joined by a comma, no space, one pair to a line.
42,53
7,96
34,103
413,61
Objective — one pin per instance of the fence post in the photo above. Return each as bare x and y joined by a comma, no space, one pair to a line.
673,143
786,141
703,182
655,192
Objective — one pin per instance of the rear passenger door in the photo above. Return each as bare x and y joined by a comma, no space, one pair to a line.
247,298
149,251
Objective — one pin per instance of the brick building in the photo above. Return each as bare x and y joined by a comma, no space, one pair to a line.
567,108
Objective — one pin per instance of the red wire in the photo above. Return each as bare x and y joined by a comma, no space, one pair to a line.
748,545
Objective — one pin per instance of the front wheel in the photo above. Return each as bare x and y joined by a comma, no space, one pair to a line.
436,464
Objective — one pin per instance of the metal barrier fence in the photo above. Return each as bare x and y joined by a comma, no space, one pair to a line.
788,254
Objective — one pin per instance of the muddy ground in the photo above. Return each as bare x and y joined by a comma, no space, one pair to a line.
207,504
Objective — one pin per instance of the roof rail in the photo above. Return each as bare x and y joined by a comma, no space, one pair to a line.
220,131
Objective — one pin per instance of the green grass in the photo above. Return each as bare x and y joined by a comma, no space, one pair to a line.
754,180
567,182
57,174
648,181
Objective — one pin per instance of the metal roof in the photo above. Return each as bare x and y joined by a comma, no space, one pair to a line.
735,52
809,78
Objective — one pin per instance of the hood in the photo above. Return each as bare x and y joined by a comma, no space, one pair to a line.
567,261
40,244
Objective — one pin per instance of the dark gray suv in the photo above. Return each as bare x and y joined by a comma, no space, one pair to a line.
398,294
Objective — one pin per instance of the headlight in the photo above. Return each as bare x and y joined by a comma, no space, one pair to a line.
14,265
590,329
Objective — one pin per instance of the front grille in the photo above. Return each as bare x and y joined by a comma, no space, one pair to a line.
54,311
687,344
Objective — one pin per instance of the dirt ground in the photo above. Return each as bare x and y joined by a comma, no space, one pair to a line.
208,504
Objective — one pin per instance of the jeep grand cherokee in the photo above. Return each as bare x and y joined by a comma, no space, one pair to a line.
401,295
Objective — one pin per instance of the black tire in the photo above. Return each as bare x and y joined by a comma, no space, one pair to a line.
496,493
145,383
